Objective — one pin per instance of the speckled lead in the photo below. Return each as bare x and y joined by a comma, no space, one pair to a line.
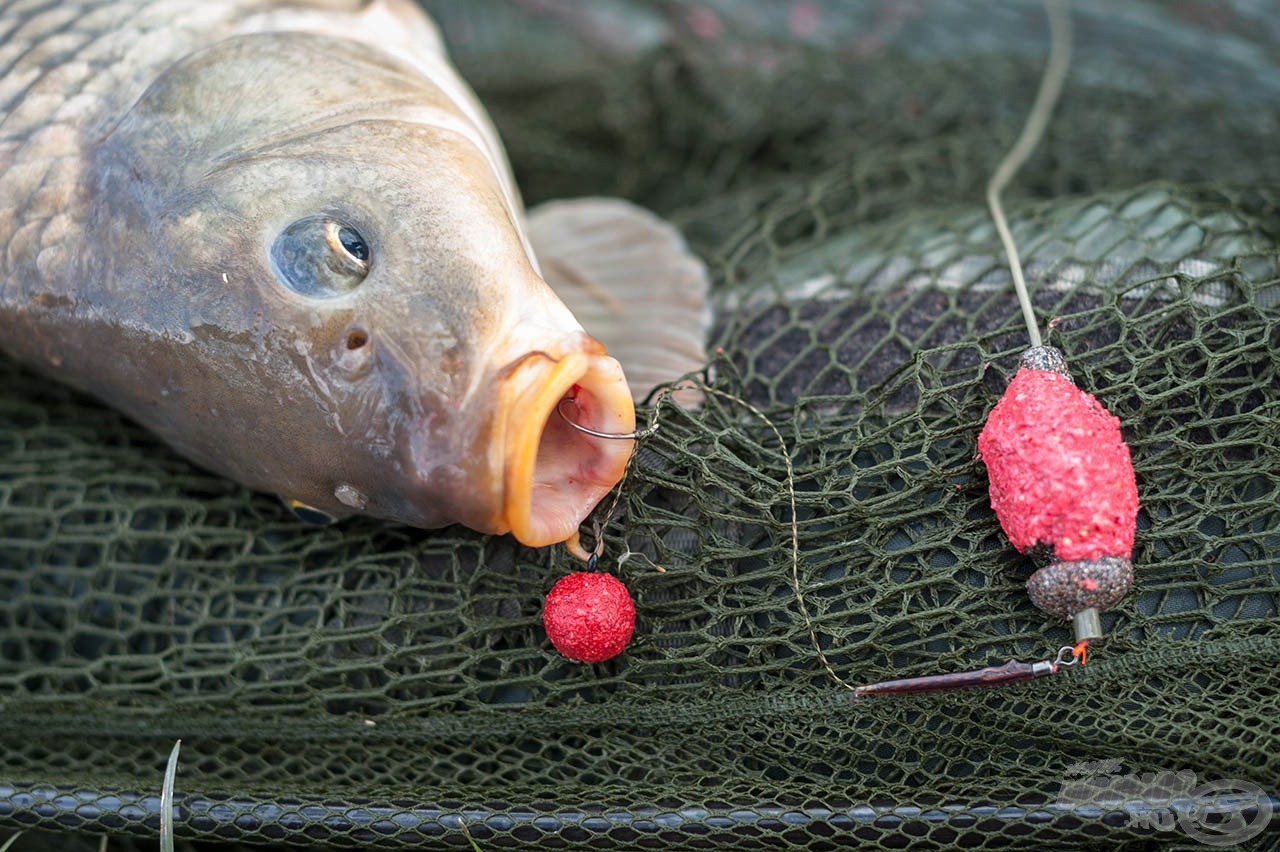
1063,589
1046,358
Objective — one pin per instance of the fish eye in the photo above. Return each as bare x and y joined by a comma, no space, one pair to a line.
321,257
352,243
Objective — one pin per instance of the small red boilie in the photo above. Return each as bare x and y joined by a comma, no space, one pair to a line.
589,616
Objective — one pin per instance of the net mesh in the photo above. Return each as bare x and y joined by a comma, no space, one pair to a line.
375,686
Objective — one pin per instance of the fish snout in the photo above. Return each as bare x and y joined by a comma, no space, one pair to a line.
554,474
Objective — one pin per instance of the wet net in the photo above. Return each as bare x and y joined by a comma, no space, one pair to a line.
379,687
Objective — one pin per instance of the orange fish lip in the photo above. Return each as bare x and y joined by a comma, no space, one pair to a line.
554,474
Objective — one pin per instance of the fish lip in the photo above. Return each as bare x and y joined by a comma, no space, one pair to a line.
553,475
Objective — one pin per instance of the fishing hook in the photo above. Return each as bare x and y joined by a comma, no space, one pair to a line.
635,436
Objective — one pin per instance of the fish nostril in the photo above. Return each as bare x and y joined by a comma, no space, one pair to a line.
357,338
354,354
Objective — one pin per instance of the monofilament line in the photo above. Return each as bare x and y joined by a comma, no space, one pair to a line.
789,483
1055,73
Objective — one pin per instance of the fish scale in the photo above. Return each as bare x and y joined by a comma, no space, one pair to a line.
66,70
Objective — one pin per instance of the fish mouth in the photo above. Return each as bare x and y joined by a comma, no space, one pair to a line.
553,473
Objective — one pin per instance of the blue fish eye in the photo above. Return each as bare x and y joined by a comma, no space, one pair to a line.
320,257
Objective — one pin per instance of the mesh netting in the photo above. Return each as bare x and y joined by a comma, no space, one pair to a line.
375,686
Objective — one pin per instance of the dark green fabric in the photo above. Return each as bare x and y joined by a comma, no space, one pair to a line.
376,686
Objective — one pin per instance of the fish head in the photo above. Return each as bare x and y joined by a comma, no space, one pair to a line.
322,261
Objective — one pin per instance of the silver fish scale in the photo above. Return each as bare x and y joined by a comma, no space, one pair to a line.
66,71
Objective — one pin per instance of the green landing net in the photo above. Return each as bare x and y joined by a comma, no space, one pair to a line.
371,686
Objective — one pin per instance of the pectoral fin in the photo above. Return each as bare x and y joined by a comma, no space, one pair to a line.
632,282
309,514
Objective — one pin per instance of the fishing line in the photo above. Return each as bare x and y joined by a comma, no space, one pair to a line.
574,542
1037,120
1055,74
789,484
1010,672
1051,84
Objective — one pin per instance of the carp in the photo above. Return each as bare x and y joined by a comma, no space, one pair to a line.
286,239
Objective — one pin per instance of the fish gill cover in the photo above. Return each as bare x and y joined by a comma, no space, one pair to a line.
375,686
